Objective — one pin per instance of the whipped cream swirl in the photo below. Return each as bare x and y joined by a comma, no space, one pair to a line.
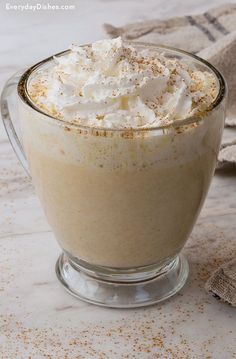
111,84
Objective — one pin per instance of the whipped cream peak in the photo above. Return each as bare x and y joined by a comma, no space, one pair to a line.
111,84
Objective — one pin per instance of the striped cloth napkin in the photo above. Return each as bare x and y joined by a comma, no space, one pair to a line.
212,36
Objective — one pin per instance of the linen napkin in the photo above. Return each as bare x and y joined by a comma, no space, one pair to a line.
222,283
211,35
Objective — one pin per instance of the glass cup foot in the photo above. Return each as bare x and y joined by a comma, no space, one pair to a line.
110,292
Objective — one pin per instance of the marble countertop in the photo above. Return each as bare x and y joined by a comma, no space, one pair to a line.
38,319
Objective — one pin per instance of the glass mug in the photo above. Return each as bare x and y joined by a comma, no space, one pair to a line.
121,203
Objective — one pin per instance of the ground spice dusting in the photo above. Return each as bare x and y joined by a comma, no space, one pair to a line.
164,331
139,70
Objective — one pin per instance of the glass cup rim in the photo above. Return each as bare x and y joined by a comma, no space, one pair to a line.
25,96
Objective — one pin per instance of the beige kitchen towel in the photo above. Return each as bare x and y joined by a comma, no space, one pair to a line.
222,283
227,155
211,35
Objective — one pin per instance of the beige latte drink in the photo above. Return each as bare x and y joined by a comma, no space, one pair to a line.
120,181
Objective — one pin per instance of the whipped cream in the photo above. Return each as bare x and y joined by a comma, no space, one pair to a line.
111,84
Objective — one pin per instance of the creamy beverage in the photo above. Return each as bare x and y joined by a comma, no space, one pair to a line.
120,181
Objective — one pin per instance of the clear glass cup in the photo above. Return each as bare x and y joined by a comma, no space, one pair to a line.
121,203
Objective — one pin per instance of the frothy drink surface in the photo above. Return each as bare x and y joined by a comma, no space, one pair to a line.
126,198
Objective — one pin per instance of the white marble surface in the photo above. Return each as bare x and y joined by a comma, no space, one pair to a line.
38,319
